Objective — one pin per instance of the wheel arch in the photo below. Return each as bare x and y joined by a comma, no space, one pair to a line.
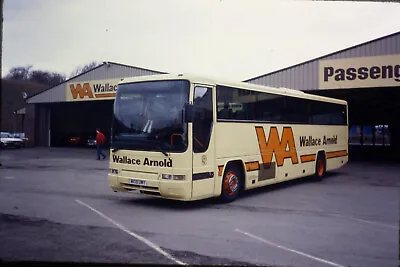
242,168
320,154
239,164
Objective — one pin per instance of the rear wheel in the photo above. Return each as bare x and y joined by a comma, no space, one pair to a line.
231,183
320,167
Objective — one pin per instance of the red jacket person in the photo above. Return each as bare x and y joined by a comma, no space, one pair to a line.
100,140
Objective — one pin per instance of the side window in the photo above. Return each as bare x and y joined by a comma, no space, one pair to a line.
296,110
203,118
246,105
224,100
235,104
270,107
328,113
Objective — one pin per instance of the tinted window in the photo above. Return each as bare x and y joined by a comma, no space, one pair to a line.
245,105
148,116
203,117
327,113
269,107
296,110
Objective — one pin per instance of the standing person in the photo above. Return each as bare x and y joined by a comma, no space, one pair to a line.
100,140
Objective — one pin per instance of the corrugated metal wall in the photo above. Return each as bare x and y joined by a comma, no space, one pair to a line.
104,72
305,76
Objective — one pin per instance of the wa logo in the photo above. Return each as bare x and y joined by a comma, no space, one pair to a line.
81,91
282,147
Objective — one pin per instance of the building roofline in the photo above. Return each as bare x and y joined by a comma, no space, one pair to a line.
100,65
324,56
65,81
124,65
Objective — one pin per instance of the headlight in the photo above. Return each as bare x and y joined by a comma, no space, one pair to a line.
167,176
173,177
179,177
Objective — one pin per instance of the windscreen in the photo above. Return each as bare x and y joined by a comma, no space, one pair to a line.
5,135
149,116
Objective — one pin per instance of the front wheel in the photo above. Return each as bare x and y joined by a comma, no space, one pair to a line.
231,184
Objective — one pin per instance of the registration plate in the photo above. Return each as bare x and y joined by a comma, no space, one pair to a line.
137,182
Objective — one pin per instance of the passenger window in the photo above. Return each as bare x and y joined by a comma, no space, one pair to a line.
203,118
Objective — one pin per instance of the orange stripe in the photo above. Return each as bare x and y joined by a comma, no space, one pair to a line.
307,158
252,166
220,169
335,154
105,95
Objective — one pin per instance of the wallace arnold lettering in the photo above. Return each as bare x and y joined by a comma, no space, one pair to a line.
146,162
311,141
101,88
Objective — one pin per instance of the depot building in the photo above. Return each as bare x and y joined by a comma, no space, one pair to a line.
367,76
69,113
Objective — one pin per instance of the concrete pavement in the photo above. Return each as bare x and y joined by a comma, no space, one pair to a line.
349,219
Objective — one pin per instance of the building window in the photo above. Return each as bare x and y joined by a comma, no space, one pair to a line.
355,133
369,135
386,135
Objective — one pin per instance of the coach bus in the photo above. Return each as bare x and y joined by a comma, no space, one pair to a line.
186,138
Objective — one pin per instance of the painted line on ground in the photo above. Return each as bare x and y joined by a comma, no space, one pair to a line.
123,228
289,249
367,221
9,177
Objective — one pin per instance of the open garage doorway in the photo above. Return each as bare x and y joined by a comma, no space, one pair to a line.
374,121
73,123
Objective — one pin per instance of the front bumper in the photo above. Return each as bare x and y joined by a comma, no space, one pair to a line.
170,189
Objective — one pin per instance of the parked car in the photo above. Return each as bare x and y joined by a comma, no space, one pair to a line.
21,136
7,140
91,142
75,141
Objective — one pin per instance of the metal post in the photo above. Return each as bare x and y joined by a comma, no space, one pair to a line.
48,123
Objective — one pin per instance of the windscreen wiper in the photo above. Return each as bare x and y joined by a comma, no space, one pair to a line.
161,150
154,141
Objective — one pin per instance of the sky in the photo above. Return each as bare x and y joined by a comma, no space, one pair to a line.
229,39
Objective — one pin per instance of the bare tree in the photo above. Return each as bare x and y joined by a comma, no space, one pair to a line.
37,76
49,78
19,73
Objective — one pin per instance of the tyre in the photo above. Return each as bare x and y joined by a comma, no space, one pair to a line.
231,183
320,167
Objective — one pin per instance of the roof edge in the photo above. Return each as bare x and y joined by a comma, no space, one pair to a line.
65,81
324,56
125,65
100,65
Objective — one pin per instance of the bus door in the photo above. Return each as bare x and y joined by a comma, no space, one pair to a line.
203,142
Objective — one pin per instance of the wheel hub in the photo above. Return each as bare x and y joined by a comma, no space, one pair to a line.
233,183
